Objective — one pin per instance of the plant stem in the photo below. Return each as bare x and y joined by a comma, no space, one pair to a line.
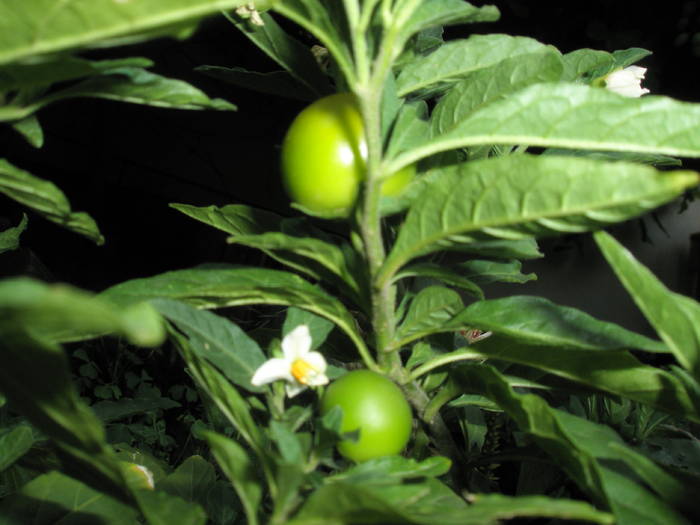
439,432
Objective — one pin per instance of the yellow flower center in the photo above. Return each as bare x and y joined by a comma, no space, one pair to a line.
301,370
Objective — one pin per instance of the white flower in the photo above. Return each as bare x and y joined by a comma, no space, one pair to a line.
300,367
627,82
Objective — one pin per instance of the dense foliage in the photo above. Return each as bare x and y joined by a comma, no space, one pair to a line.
520,408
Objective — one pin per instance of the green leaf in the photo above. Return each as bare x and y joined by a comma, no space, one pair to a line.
486,272
14,444
502,249
521,196
191,480
160,508
327,22
319,258
46,199
279,83
675,318
133,85
217,287
449,276
55,313
410,129
582,62
319,327
36,379
216,339
456,59
431,13
61,69
240,470
222,393
392,469
572,116
495,82
579,447
616,372
47,27
31,130
236,219
54,498
538,321
222,508
109,411
9,238
490,507
668,488
296,58
430,309
293,242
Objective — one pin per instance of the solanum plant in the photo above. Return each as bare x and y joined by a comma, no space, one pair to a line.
510,140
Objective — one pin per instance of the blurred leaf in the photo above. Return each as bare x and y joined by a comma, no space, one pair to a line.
392,469
223,395
14,444
675,318
233,286
428,502
129,84
36,377
49,28
580,447
293,242
322,260
240,470
668,488
221,504
31,130
216,339
54,498
9,238
521,196
59,312
109,411
161,508
46,199
616,372
191,480
61,69
279,83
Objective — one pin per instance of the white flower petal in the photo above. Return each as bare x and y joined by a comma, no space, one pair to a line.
294,388
317,361
296,343
271,370
627,82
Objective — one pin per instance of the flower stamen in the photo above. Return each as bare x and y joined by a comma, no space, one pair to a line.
303,371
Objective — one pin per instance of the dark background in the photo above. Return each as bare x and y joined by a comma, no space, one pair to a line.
124,163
